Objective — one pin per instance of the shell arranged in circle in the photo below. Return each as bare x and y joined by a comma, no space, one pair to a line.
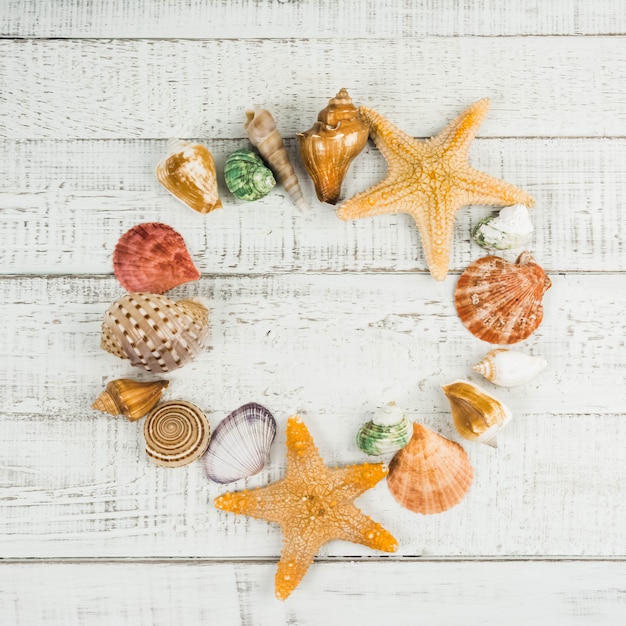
510,228
130,398
153,257
388,432
176,433
246,176
240,444
430,474
501,302
508,368
155,333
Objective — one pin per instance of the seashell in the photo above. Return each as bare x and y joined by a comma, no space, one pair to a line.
508,368
388,432
176,433
130,398
246,176
477,415
329,147
153,257
430,474
499,301
157,334
240,444
188,173
509,228
261,129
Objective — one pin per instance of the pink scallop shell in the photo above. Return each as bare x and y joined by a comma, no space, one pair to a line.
153,257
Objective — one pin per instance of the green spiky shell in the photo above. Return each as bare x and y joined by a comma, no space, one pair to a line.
376,439
246,176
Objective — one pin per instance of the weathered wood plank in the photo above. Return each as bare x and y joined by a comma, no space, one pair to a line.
547,86
310,18
333,347
65,204
490,594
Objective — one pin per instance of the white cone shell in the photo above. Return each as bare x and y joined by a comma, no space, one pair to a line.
509,368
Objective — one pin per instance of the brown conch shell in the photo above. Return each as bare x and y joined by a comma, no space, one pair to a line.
499,301
261,129
153,257
188,173
157,334
176,433
130,398
430,474
329,147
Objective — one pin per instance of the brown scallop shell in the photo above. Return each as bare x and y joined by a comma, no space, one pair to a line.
153,257
499,301
430,474
131,398
329,147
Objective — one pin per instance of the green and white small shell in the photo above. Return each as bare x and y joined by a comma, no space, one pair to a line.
510,228
246,175
387,433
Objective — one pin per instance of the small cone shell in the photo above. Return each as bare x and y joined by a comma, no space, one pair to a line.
261,129
476,414
508,368
329,147
130,398
430,474
188,173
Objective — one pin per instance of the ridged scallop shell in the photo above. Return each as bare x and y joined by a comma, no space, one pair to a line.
240,444
176,433
131,398
155,333
476,414
188,173
430,474
499,301
153,257
509,228
329,147
508,368
261,129
388,432
246,176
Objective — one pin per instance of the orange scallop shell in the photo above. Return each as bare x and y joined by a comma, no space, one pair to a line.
499,301
153,257
430,474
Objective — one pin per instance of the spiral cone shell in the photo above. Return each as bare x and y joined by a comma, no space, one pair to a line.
430,474
155,333
261,129
501,302
130,398
176,433
508,368
152,257
188,173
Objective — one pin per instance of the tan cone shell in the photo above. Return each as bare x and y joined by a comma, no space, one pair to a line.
501,302
430,474
130,398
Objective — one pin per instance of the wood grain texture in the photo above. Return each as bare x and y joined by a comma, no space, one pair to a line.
489,594
546,86
66,203
308,18
332,347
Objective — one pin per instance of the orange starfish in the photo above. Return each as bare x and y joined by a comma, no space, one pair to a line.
431,180
313,505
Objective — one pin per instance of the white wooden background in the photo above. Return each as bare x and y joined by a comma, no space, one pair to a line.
309,313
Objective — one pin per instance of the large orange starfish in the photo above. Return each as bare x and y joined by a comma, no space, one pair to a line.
431,180
313,505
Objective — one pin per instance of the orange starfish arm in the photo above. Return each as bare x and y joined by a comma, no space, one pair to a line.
458,135
353,480
298,553
359,528
263,503
383,198
481,188
301,450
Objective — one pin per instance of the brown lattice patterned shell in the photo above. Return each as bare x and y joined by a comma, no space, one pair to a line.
155,333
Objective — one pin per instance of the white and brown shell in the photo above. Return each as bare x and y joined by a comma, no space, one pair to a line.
262,132
188,173
501,302
430,474
176,433
155,333
131,398
508,368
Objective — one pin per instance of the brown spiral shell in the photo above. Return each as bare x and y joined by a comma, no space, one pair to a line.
130,398
176,433
499,301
